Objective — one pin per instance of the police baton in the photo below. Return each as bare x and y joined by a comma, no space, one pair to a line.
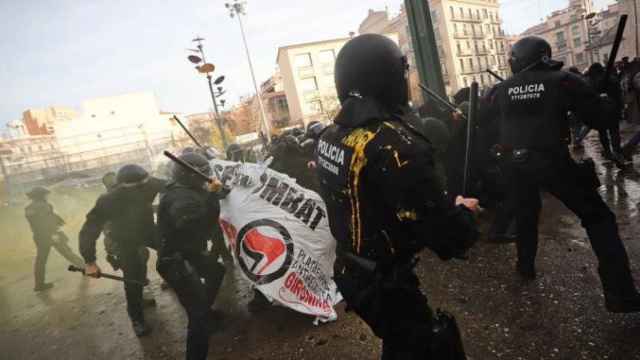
195,141
500,78
187,166
73,268
442,101
616,46
473,114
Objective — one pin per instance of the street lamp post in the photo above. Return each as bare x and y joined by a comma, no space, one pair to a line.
237,9
208,69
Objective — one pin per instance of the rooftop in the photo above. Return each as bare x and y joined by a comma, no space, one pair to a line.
312,43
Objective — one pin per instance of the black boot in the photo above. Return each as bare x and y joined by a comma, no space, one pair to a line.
43,287
140,328
620,293
526,270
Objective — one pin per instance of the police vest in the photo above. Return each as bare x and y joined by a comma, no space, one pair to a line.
533,111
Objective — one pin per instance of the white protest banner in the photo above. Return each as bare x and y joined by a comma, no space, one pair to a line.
279,235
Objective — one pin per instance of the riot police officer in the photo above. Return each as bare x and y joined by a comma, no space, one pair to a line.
127,208
186,217
530,116
383,197
45,225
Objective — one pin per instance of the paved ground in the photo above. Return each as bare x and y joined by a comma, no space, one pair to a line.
559,316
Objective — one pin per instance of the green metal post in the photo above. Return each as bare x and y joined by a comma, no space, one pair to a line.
424,45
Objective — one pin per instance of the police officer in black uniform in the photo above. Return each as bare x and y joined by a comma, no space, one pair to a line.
127,209
385,203
530,111
186,217
45,226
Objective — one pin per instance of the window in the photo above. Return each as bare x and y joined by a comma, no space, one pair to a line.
327,56
577,42
309,84
557,23
485,14
491,44
471,63
464,29
315,106
453,15
478,14
462,64
461,12
580,58
575,30
470,13
455,28
303,60
458,47
466,81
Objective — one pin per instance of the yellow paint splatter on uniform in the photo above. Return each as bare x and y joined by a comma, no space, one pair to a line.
357,140
404,215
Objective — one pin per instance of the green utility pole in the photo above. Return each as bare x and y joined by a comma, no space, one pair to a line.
424,45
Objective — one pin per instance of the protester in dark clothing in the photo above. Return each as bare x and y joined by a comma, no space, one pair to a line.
611,92
45,225
128,210
186,216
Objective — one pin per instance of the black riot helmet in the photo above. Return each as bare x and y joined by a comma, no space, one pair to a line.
234,152
314,130
38,193
185,177
372,66
529,52
132,175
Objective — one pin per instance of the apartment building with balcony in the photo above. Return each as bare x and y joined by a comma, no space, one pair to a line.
470,40
307,78
569,31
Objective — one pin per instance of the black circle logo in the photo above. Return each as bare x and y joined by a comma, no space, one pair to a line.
264,250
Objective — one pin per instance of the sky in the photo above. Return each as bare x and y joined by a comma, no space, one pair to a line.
62,52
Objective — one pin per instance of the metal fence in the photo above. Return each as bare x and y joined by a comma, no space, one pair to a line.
79,164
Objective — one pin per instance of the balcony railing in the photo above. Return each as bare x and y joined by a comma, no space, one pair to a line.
305,72
466,18
461,35
464,52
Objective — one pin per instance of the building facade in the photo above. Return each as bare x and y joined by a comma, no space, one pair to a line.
275,103
631,45
307,77
578,35
44,121
470,40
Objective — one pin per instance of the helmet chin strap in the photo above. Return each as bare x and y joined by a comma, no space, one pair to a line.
130,185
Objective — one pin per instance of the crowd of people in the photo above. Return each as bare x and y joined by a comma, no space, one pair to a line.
391,178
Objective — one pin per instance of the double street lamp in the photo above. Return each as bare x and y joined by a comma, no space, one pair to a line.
204,67
236,9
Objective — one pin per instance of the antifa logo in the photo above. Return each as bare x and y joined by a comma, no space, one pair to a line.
264,251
